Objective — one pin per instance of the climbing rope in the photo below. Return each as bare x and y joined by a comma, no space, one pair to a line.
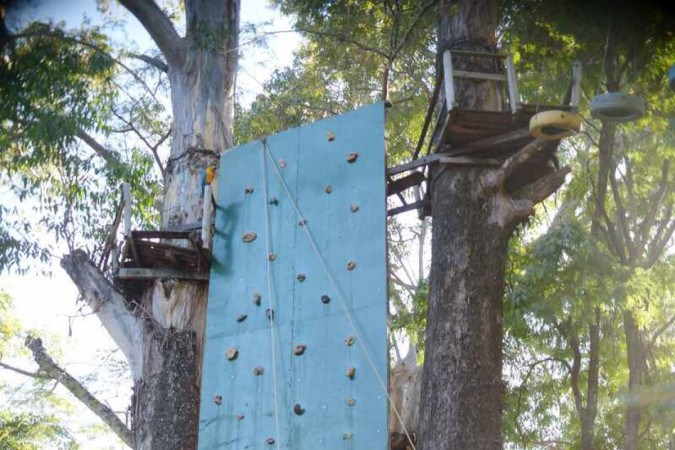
336,288
270,301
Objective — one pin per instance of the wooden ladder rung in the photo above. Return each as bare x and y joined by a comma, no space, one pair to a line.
478,54
479,75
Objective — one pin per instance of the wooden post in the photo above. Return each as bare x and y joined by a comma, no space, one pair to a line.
448,81
126,194
512,83
207,210
576,84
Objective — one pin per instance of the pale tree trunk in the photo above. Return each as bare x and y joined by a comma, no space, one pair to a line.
636,368
162,336
473,216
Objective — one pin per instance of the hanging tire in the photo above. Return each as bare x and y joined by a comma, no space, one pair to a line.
671,77
553,125
617,107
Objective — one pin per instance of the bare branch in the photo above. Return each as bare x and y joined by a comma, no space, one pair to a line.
159,27
23,372
109,305
411,27
543,187
346,39
51,370
155,62
99,149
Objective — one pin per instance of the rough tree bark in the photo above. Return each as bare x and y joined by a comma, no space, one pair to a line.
162,334
473,216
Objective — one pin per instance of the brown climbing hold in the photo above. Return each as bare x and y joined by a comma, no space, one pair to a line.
271,256
256,298
352,157
355,207
328,189
282,163
302,222
259,370
301,277
325,299
270,441
241,318
351,265
300,349
218,400
232,353
298,409
351,371
248,190
350,341
330,136
351,402
249,237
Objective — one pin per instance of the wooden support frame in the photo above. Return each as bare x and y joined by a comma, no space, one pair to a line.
141,273
448,81
511,83
576,85
207,212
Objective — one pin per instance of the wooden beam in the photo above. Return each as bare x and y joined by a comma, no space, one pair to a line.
138,273
521,135
478,54
479,75
207,211
401,184
464,161
424,161
126,194
160,234
576,84
512,84
134,253
448,81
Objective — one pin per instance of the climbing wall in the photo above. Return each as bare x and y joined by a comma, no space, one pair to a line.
296,339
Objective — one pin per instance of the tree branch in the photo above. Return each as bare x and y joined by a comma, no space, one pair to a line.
99,149
159,27
109,305
346,39
411,27
543,187
155,62
497,179
23,372
51,370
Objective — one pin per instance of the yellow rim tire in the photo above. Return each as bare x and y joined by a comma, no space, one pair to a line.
554,125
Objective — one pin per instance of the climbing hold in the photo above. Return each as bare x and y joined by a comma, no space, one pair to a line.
301,277
347,436
351,265
271,256
218,400
240,417
273,201
270,441
351,371
328,189
325,299
258,370
302,222
256,298
241,318
330,136
232,353
553,125
351,402
300,349
350,341
355,207
248,190
249,237
352,157
282,163
269,313
298,409
617,107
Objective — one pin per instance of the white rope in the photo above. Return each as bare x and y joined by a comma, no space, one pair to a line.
270,302
338,290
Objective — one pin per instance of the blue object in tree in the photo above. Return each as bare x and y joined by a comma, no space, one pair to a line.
671,76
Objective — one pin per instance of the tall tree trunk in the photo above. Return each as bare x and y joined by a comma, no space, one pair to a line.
461,400
162,337
635,355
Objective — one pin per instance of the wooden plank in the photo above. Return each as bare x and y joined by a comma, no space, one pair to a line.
464,161
576,84
401,184
207,212
512,84
126,193
134,252
478,54
479,75
510,138
424,161
448,81
428,117
160,234
404,208
140,273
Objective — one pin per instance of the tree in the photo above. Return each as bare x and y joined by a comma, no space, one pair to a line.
160,331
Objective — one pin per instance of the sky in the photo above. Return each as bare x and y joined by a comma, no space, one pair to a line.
48,304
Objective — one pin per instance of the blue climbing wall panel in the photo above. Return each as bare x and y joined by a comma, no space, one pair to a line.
296,336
